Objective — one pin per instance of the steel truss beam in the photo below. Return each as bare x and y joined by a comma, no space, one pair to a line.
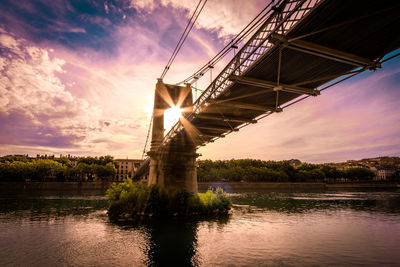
267,84
252,51
322,51
226,119
217,128
248,106
259,92
329,77
210,136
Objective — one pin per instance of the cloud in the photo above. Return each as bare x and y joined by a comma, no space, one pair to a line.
142,4
56,95
34,103
226,17
58,26
79,79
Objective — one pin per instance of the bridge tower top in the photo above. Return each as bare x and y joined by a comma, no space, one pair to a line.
167,96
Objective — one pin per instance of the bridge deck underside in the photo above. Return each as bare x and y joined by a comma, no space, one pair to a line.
360,31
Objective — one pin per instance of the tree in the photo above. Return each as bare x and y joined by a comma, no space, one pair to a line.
84,170
104,172
359,173
331,172
64,161
306,167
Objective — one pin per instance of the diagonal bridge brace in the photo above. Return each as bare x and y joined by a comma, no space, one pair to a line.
267,84
321,51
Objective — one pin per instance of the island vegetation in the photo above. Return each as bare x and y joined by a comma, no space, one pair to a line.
128,200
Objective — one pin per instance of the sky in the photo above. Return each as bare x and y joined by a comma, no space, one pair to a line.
78,77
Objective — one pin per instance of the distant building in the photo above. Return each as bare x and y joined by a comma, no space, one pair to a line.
20,157
374,169
340,167
294,162
127,168
384,174
45,156
73,162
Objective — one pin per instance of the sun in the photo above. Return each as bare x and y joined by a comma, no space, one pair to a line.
171,116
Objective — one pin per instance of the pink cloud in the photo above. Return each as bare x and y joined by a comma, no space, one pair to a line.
227,17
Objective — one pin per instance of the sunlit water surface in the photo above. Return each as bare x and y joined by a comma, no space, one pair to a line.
283,229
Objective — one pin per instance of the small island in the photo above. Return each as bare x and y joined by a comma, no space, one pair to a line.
129,200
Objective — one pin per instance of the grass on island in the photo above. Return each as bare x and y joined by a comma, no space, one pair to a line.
129,199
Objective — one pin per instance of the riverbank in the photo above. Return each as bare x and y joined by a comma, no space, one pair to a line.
228,186
54,186
264,186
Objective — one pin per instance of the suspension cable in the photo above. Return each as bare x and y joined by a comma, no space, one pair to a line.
185,33
179,45
148,135
231,45
391,57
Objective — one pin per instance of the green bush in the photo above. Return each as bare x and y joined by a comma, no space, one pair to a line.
132,199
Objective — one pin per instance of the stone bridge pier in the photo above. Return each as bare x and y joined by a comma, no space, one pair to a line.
172,166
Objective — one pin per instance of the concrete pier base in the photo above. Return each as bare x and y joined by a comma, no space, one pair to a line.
174,170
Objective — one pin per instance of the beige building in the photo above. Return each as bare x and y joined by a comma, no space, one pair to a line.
127,168
384,174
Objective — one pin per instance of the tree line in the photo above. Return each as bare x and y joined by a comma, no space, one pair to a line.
251,170
58,169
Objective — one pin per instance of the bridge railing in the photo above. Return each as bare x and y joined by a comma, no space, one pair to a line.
281,19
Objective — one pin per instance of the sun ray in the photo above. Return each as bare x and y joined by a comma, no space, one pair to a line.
163,91
171,116
193,133
183,94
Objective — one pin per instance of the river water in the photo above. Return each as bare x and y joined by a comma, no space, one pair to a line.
264,229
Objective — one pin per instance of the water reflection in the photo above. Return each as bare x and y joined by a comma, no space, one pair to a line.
49,206
380,202
325,228
172,243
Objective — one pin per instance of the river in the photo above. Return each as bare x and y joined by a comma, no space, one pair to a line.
264,229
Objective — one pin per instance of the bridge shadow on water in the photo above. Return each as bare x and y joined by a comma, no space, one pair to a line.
172,241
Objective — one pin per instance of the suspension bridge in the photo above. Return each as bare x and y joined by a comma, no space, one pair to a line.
293,49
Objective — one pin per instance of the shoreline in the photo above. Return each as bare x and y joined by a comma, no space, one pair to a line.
230,187
293,186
